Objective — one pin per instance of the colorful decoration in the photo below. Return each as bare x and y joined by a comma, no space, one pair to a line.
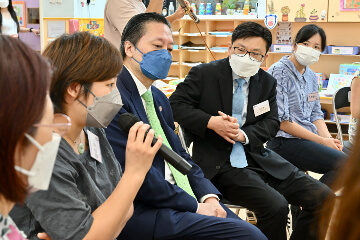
323,15
19,8
285,13
300,15
270,21
313,16
271,7
349,5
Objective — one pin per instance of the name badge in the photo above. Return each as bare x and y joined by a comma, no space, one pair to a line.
261,108
94,146
313,96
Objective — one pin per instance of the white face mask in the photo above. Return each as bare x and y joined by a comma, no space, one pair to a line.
244,66
4,3
307,55
40,173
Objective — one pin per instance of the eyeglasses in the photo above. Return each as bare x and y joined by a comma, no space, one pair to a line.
253,55
60,125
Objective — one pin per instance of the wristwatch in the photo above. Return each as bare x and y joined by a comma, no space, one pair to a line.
30,29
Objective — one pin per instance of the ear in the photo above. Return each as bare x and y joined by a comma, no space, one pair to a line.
129,49
229,49
72,92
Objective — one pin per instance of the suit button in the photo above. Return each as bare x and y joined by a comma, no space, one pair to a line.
217,167
258,146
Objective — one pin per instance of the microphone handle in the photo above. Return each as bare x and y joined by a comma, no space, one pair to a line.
173,158
186,8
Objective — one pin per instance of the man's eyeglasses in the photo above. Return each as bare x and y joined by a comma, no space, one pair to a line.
61,124
253,55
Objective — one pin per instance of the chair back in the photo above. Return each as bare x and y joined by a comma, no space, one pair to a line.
340,100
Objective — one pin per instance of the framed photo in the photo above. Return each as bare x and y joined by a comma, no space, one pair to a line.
19,8
349,5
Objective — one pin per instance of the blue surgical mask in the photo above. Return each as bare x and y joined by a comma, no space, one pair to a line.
156,64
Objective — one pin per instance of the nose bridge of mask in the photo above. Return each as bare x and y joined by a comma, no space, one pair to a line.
309,50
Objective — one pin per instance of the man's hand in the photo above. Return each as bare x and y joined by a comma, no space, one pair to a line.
207,209
240,137
180,12
220,212
226,129
44,236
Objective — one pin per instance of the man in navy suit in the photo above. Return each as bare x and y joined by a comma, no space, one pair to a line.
162,209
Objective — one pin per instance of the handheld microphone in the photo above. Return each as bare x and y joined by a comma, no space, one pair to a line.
127,120
189,12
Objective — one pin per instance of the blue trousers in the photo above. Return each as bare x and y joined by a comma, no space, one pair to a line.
193,226
310,156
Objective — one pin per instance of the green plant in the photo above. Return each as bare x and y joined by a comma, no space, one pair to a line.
313,11
271,7
230,4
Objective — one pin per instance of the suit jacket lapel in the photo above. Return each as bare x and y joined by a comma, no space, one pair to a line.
253,98
134,95
226,86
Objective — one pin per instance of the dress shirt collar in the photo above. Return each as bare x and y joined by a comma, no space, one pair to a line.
235,76
140,87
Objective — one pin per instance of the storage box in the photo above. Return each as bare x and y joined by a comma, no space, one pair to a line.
281,48
349,69
343,50
343,117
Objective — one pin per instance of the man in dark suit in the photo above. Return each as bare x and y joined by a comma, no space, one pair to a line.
167,206
229,105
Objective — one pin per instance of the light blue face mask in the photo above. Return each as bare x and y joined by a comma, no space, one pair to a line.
156,64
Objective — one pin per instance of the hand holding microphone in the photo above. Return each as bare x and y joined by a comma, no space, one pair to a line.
140,151
127,120
188,10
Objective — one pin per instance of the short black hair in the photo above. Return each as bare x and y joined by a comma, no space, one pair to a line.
252,29
307,31
135,28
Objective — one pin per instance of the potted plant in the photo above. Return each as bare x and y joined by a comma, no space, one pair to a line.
229,5
300,15
285,13
313,16
271,8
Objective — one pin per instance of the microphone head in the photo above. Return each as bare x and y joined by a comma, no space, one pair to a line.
126,121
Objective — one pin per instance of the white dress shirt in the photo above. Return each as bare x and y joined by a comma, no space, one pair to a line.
168,175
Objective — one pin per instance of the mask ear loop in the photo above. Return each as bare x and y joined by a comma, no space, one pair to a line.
91,94
24,171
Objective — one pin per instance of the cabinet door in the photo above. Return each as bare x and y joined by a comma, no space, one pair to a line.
299,11
344,11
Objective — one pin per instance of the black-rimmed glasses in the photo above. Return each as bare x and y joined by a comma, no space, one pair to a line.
253,55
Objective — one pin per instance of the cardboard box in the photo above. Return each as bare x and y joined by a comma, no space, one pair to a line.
281,48
343,117
349,69
343,50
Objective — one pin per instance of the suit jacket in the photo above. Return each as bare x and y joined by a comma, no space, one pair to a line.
155,193
207,89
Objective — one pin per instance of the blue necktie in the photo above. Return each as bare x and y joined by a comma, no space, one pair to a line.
237,156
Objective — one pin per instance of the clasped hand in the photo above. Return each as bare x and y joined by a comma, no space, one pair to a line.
227,127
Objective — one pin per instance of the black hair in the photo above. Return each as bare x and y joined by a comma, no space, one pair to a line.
13,16
307,31
252,29
135,28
